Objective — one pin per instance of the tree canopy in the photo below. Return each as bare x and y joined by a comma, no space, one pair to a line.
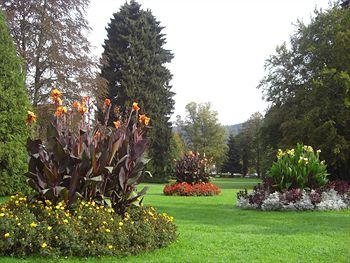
134,60
202,131
308,87
14,104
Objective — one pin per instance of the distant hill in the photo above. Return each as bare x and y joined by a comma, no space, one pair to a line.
234,129
231,129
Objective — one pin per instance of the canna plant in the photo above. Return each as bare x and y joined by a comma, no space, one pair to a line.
102,163
298,168
192,169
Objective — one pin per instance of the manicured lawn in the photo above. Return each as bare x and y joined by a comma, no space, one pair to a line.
212,229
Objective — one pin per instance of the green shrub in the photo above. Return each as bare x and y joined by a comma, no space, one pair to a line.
14,104
298,168
90,229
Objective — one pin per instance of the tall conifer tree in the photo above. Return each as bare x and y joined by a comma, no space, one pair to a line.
134,61
232,163
13,109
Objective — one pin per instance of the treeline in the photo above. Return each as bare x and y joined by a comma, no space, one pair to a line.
307,85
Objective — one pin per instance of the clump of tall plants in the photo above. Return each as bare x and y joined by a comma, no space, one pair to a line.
85,179
192,177
297,180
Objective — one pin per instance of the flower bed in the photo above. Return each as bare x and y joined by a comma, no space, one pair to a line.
85,179
192,177
297,180
186,189
40,228
334,196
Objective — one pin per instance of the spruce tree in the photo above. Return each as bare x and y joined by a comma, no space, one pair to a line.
134,66
232,163
14,104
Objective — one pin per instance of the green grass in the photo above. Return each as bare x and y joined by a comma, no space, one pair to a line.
212,229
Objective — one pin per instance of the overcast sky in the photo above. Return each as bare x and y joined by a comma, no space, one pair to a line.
219,45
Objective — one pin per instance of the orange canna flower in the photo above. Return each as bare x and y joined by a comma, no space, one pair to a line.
146,121
59,111
76,104
116,124
107,102
135,106
58,100
85,99
31,117
83,109
55,93
142,117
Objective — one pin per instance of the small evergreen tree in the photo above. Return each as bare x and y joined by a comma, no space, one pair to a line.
14,104
134,66
232,163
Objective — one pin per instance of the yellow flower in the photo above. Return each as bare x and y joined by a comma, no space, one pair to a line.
108,230
318,151
44,245
280,154
121,223
33,224
7,235
65,221
110,247
49,228
79,217
19,224
2,214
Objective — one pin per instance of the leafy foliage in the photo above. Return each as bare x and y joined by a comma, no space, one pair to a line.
203,133
134,61
41,228
54,47
232,164
298,168
14,104
308,88
102,163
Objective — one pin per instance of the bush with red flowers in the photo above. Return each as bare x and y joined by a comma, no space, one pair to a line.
186,189
192,177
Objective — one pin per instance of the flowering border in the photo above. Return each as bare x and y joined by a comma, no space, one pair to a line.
186,189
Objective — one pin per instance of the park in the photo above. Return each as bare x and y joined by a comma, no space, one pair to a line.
96,167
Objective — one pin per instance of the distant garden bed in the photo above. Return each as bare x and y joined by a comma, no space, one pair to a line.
297,181
192,177
186,189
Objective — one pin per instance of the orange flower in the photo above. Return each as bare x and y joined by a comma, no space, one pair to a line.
83,109
107,102
135,106
144,119
31,117
76,104
64,109
85,99
55,93
116,124
58,100
55,96
59,111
